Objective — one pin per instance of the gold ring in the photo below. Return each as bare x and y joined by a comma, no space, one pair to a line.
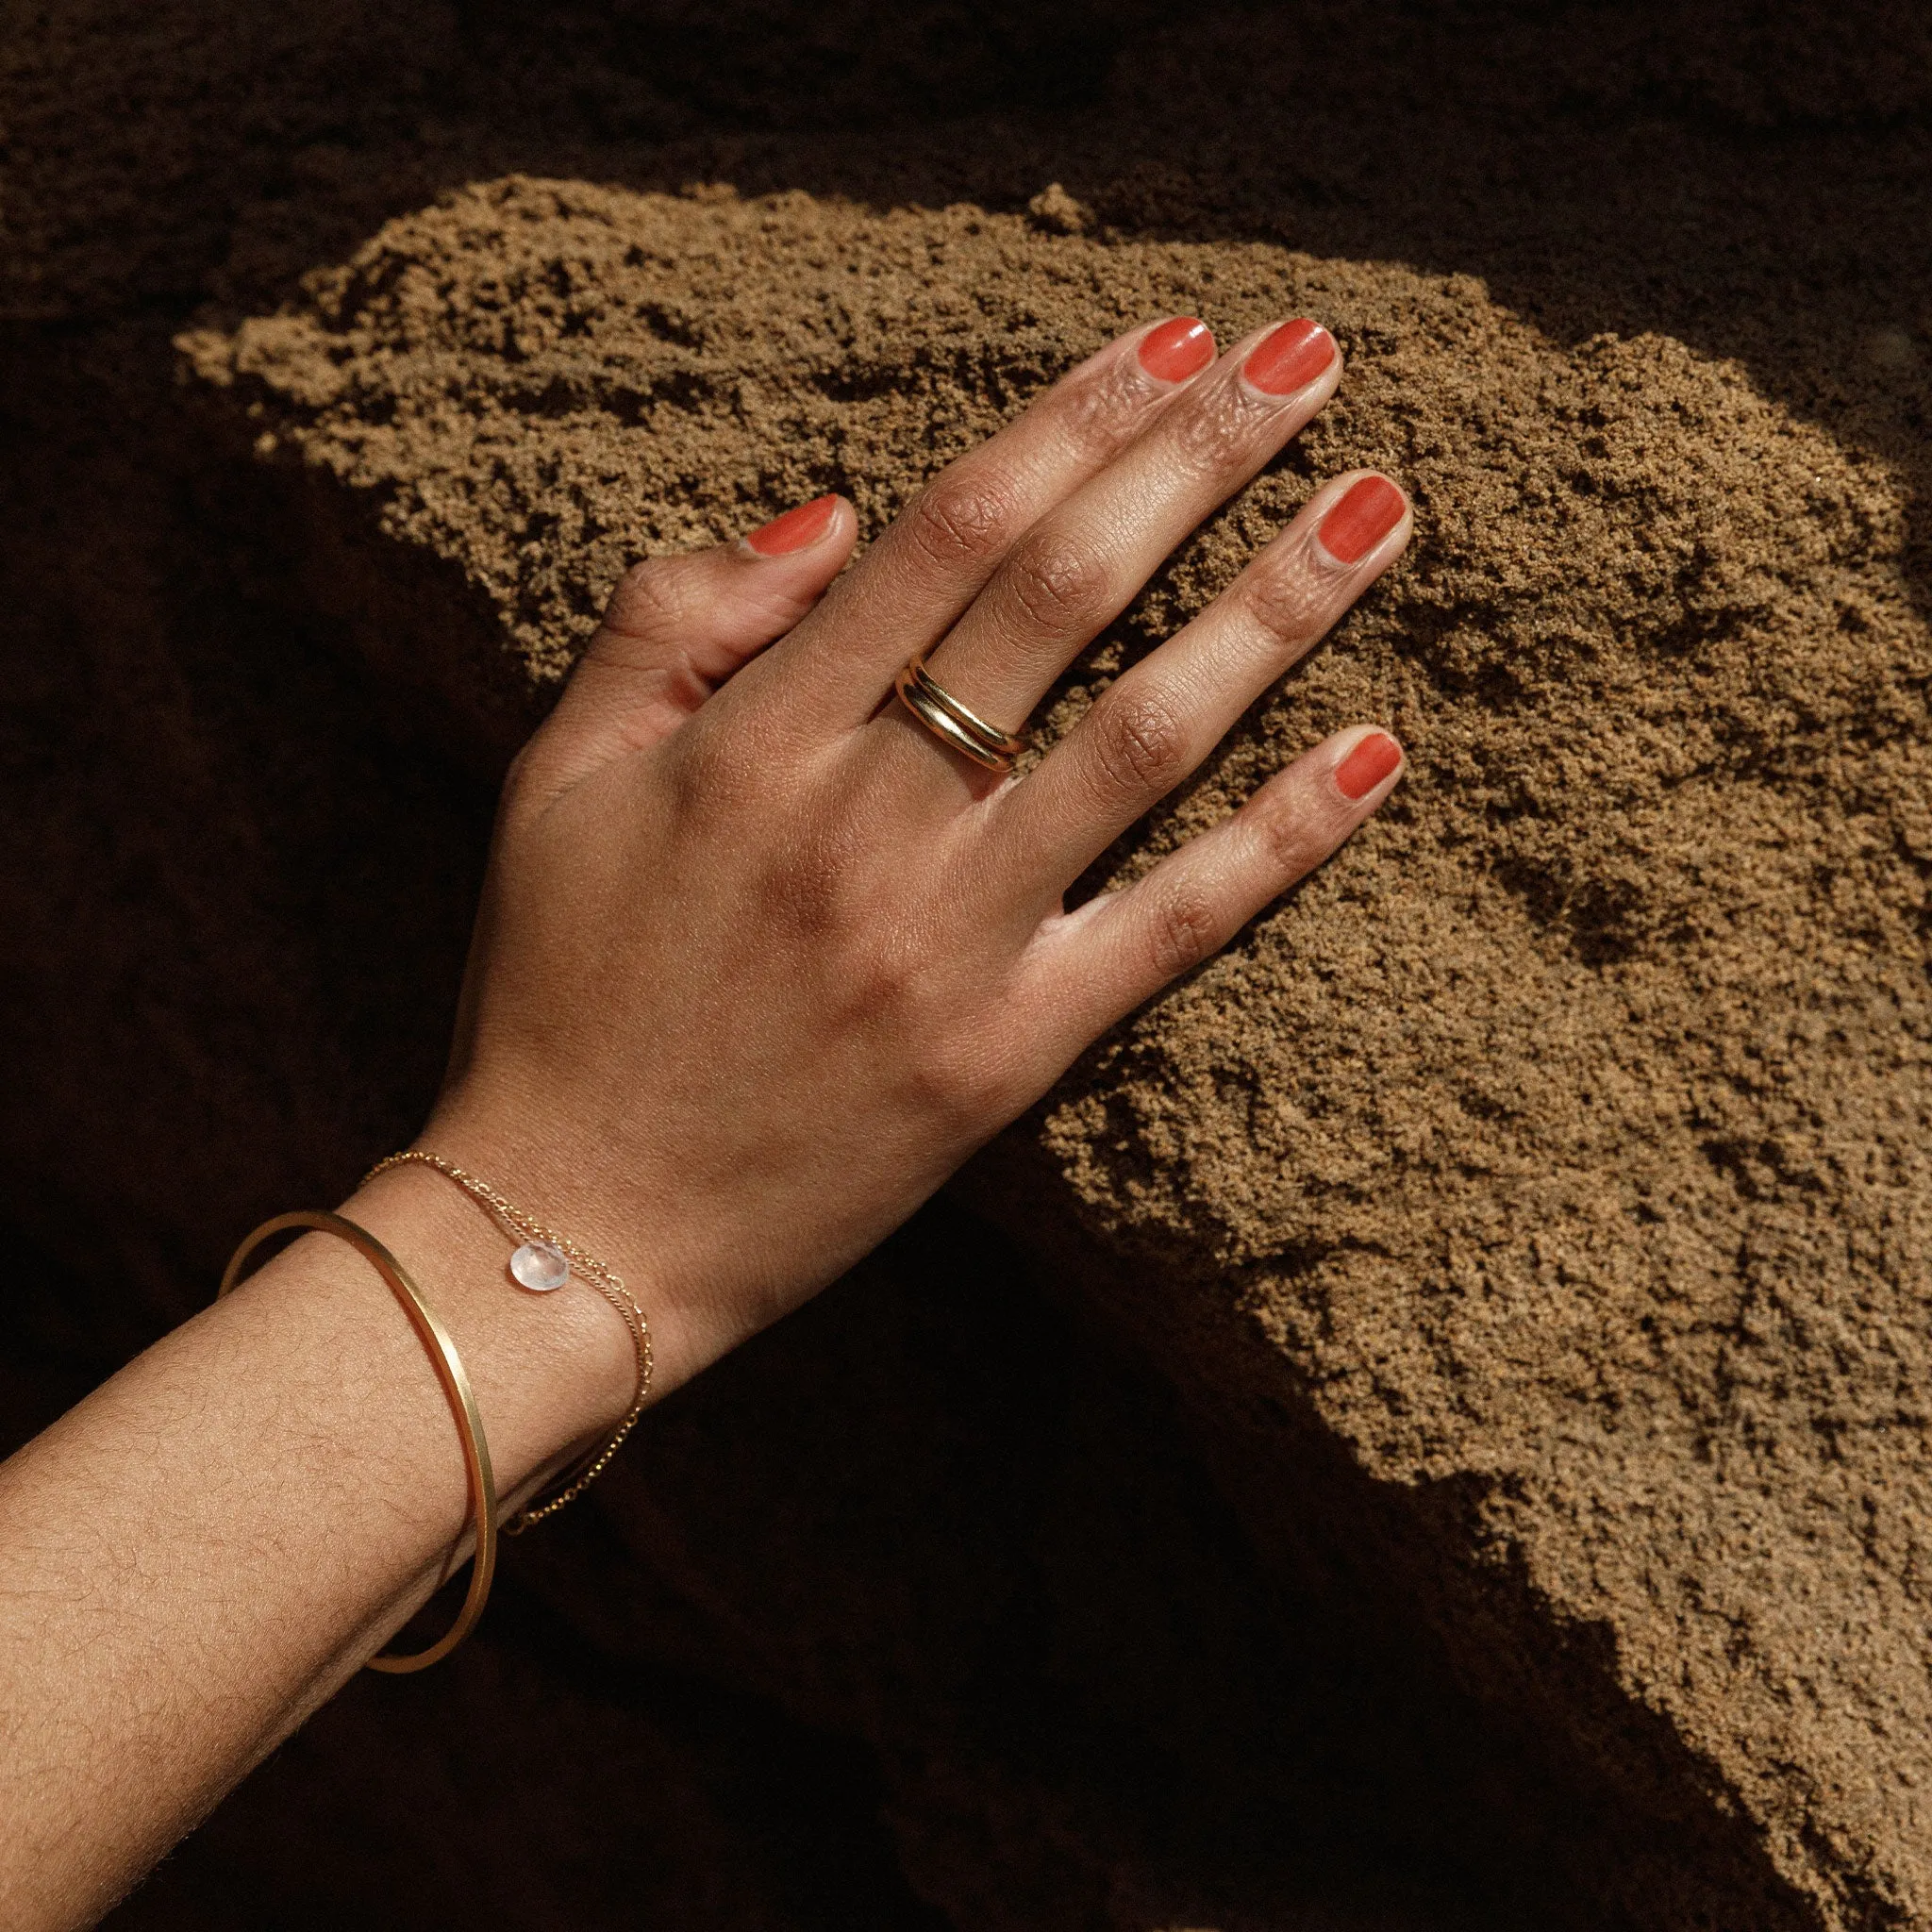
949,721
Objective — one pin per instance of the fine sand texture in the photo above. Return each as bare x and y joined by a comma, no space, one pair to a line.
1455,1453
1564,1141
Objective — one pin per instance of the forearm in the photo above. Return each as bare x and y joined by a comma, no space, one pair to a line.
204,1549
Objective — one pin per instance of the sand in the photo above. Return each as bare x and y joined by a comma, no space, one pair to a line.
1531,1211
1567,1135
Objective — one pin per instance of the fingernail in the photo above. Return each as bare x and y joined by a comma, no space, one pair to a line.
1178,349
795,529
1368,511
1289,358
1367,765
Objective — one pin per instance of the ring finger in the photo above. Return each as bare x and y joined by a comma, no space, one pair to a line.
934,558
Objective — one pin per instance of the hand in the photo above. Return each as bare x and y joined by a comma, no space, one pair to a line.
761,961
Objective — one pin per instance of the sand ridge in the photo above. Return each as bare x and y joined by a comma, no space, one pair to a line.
1566,1135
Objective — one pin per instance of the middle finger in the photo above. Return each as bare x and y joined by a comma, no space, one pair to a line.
1083,562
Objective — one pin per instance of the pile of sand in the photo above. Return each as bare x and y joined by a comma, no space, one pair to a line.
1567,1138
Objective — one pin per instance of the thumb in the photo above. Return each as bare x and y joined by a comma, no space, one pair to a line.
676,627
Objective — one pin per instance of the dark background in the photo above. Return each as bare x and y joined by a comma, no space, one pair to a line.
925,1611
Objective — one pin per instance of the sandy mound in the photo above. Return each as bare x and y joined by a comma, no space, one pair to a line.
1567,1137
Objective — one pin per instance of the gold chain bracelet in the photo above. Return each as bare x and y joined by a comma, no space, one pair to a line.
544,1262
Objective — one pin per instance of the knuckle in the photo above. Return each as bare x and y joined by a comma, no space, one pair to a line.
1139,745
810,897
652,600
1285,602
1215,432
822,886
1182,929
880,976
961,518
1102,414
1058,583
812,905
1295,836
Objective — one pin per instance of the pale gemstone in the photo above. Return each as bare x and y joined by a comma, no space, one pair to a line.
540,1267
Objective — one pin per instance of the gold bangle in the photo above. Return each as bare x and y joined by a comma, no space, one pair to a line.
567,1255
462,1405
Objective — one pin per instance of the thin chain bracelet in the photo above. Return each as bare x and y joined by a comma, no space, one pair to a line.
542,1263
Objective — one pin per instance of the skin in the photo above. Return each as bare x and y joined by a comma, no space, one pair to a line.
760,963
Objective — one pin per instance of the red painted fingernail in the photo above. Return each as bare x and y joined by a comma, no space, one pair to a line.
1289,358
1370,509
795,529
1178,349
1367,765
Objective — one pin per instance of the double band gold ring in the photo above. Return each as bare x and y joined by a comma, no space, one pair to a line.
949,721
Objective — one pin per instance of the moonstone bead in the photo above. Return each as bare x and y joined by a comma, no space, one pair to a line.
539,1267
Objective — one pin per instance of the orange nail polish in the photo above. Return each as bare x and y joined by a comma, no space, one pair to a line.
1367,765
1178,349
1371,509
794,530
1289,358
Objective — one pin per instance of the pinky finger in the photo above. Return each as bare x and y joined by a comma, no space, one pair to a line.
1115,952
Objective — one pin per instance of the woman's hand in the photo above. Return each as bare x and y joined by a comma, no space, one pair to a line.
761,960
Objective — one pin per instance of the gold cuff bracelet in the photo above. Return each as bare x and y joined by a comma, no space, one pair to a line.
462,1405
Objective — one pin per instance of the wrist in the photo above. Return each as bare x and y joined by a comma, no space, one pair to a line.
553,1372
570,1183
